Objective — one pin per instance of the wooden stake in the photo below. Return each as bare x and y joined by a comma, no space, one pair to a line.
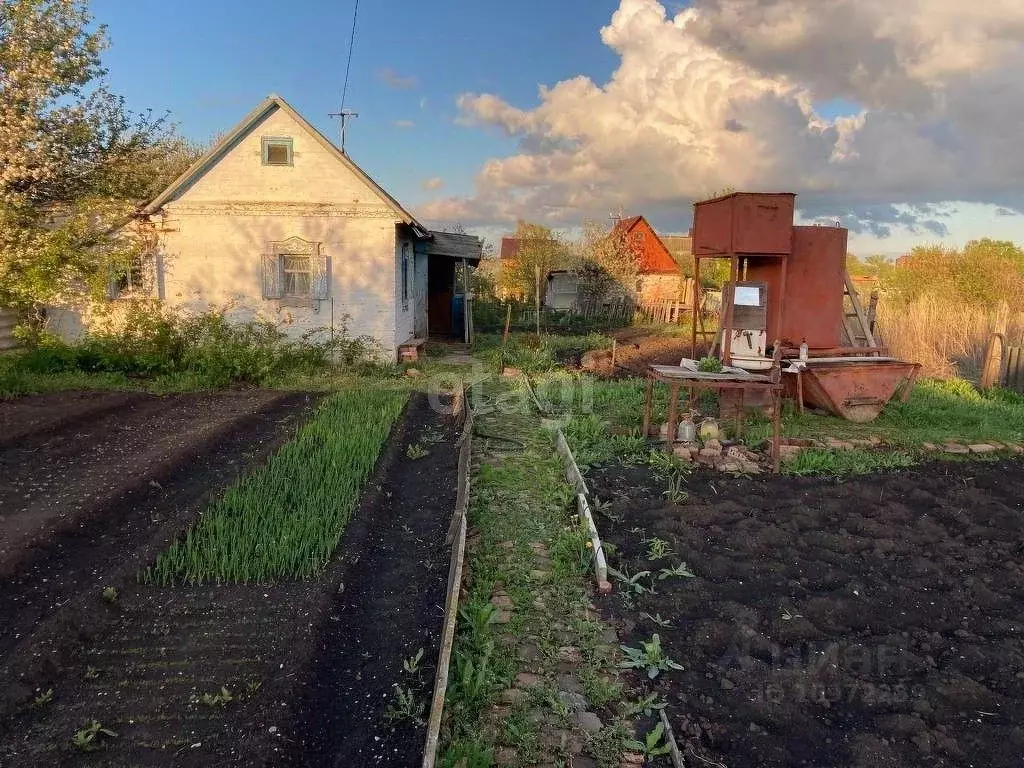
536,274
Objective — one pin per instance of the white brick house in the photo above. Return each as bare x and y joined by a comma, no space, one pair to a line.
275,221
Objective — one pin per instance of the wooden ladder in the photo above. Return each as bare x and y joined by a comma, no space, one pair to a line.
856,324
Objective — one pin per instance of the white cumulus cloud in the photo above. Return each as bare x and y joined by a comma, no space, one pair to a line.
724,94
434,184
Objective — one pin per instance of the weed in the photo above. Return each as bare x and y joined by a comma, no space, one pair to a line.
91,737
476,618
609,743
604,508
415,451
404,706
667,464
654,744
253,686
42,699
649,656
648,706
468,753
109,595
220,699
91,673
657,549
789,616
472,678
631,583
675,492
681,571
600,689
657,619
413,664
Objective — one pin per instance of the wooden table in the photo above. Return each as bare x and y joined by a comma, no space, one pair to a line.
676,377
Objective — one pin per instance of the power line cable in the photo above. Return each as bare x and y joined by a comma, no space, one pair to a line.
351,45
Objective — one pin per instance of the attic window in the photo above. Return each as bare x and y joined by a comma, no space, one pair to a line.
277,151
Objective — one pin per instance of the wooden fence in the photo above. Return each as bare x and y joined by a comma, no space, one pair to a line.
1004,365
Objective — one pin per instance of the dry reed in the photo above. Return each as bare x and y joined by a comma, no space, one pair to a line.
947,339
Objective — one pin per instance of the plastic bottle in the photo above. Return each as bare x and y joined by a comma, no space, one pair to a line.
687,432
803,350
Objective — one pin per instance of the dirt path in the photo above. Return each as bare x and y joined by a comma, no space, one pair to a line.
873,623
294,658
636,349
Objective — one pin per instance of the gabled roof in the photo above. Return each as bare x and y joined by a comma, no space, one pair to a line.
658,259
272,102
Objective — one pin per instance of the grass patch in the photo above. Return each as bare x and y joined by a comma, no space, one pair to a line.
533,354
828,463
284,520
602,423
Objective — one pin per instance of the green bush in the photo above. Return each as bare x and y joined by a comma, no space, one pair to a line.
206,348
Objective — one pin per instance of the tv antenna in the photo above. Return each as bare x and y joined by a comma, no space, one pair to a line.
345,115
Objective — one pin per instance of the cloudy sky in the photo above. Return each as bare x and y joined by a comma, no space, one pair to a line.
900,119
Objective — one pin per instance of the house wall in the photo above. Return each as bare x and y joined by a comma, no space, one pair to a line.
216,260
659,286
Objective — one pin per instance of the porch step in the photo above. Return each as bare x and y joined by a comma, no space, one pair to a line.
409,352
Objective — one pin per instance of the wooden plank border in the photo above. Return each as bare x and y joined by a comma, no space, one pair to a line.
457,541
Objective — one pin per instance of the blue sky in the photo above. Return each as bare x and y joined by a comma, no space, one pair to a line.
210,62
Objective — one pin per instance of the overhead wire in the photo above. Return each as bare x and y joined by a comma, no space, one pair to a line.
351,45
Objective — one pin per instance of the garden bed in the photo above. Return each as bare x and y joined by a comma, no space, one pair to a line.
308,667
874,622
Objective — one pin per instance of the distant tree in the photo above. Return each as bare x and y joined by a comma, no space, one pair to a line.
539,249
75,160
986,273
605,261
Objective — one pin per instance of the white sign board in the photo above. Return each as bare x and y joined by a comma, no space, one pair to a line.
747,296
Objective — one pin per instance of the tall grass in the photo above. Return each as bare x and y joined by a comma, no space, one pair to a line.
284,520
948,339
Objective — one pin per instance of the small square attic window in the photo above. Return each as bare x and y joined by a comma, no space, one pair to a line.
277,151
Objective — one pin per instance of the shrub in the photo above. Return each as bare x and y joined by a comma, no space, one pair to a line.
206,348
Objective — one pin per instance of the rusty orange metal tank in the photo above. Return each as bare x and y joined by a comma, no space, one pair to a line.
744,223
855,388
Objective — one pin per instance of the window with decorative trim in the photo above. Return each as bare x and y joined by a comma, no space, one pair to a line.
405,275
277,150
134,278
296,272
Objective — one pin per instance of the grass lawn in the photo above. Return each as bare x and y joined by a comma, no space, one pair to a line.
604,419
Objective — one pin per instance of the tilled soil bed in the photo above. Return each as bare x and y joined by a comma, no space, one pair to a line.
92,487
869,623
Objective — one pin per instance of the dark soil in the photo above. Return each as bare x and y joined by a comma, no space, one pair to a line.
93,499
871,623
636,349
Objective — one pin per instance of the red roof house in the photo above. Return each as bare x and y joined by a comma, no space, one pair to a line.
652,255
